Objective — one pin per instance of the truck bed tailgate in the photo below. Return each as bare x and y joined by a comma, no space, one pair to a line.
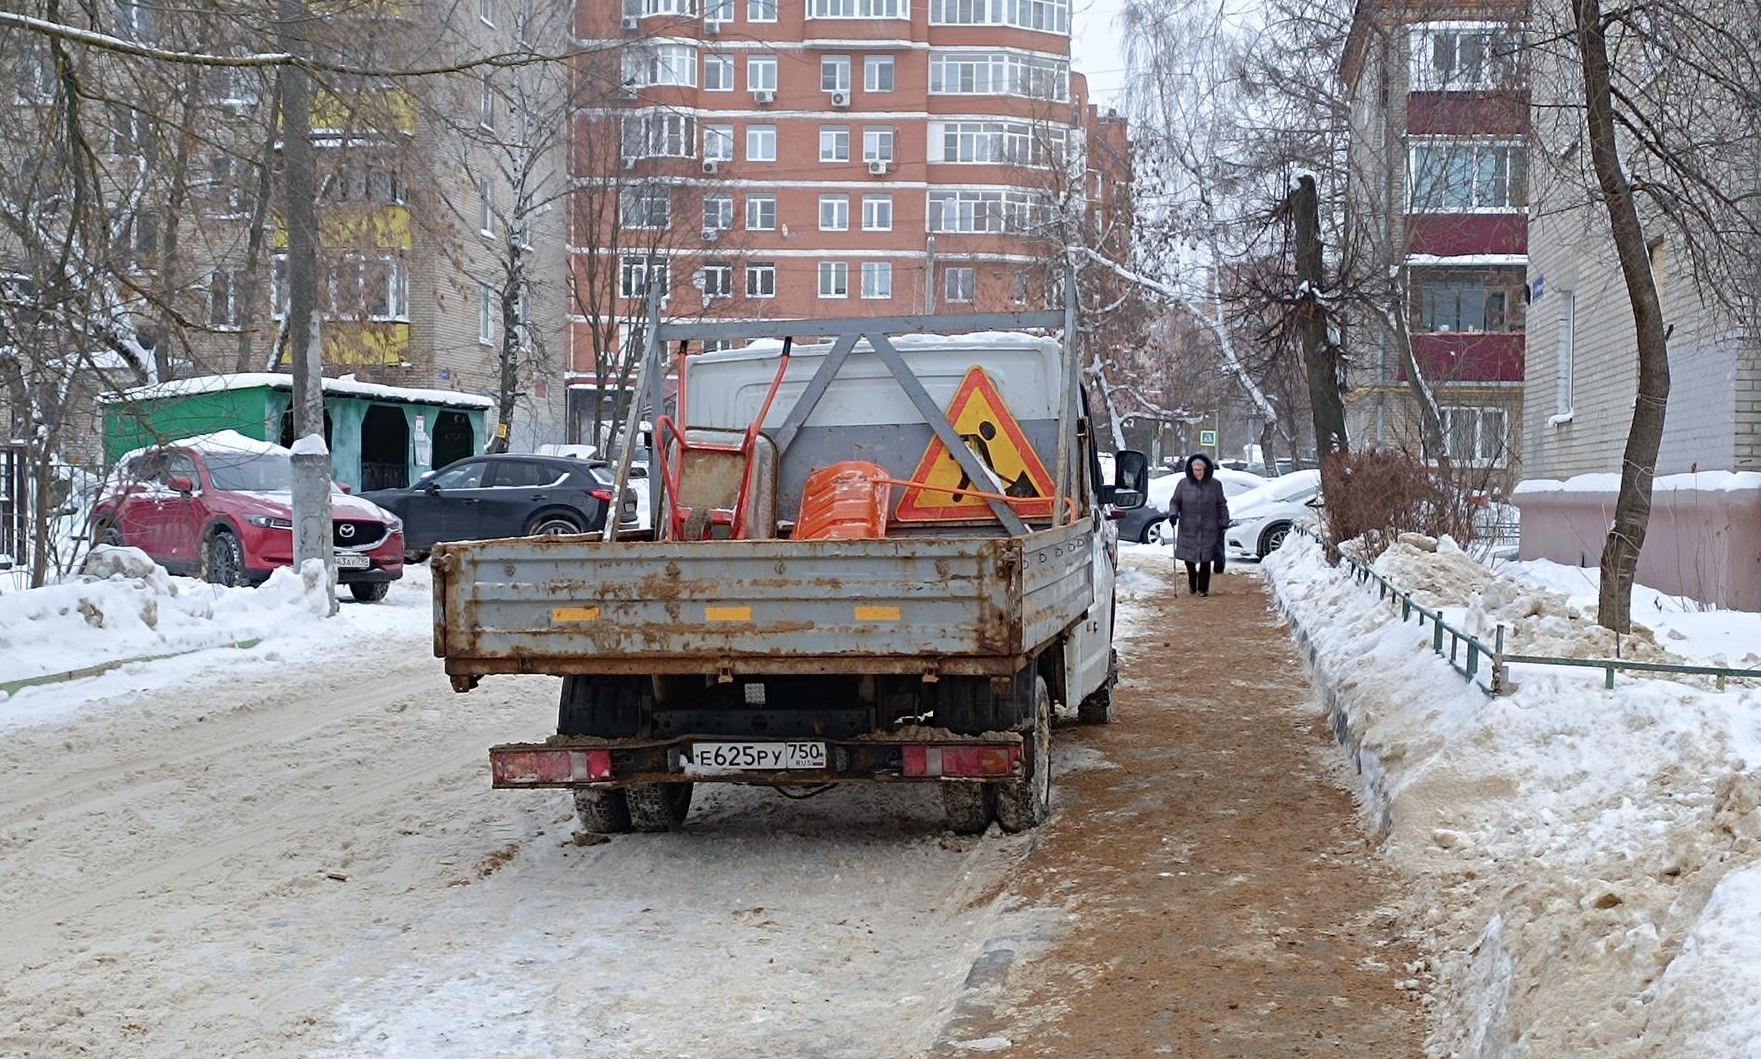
577,605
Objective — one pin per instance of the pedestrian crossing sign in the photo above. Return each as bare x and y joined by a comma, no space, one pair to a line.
983,421
1207,439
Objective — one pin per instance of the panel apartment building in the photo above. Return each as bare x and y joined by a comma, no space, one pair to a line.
801,158
1439,202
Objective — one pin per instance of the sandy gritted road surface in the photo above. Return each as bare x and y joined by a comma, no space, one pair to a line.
293,854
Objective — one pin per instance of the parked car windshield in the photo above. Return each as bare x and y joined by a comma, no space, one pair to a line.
241,472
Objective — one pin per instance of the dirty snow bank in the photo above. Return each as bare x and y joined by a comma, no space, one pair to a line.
126,606
1587,862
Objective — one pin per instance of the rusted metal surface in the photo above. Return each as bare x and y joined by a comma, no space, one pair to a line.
955,605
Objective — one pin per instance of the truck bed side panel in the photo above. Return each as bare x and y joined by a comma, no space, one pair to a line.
1056,586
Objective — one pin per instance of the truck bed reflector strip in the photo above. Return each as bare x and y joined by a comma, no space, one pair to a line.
528,768
877,613
568,614
727,613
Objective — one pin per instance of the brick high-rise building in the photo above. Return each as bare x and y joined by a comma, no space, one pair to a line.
801,158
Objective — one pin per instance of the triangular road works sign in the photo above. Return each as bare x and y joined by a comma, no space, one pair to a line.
983,420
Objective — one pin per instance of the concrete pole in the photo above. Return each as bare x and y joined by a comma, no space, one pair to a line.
311,457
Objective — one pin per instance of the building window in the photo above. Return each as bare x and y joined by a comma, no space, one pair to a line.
877,213
718,279
659,134
718,142
1564,400
858,9
660,64
761,10
877,279
485,314
486,105
877,73
134,21
225,194
1463,56
834,73
761,143
646,206
761,73
718,11
718,73
1008,142
486,11
834,143
834,279
834,213
1450,176
278,286
1051,16
761,279
638,272
1474,435
877,145
1462,307
718,211
958,284
981,73
986,211
761,213
660,7
486,205
223,298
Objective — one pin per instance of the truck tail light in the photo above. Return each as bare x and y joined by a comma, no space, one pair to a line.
541,768
931,762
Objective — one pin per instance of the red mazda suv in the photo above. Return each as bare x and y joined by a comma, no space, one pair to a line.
218,507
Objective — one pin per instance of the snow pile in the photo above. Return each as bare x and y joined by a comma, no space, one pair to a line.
126,606
1536,619
1587,863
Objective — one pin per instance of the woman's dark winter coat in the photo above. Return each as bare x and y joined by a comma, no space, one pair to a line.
1199,512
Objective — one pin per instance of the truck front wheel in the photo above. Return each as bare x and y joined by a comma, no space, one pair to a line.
658,806
602,811
1024,804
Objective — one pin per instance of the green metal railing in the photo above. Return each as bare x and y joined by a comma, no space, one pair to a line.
1466,651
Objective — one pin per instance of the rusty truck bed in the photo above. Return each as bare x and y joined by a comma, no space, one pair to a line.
974,605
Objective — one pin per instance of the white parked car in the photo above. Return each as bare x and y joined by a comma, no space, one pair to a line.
1260,519
1149,523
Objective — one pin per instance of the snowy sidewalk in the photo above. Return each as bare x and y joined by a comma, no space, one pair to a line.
1221,898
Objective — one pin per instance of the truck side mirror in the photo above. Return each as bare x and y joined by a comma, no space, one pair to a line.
1131,478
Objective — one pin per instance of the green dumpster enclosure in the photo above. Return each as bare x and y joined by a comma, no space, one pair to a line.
380,437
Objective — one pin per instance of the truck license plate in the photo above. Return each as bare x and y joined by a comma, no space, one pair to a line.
352,561
709,758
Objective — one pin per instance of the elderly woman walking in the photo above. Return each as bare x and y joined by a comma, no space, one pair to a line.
1200,513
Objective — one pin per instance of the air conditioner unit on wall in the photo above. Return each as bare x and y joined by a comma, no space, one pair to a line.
626,91
629,161
631,23
712,166
878,168
840,99
712,29
764,97
710,235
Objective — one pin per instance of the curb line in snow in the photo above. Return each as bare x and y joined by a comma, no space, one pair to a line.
13,687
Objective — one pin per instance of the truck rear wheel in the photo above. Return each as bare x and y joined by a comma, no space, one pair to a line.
1024,804
658,806
606,707
602,811
969,807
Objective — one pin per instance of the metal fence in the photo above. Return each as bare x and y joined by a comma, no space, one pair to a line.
1473,658
14,505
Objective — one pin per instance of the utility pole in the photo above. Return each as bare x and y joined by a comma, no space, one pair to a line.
929,275
1319,358
311,455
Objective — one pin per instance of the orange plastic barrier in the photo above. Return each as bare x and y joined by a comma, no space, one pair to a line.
845,501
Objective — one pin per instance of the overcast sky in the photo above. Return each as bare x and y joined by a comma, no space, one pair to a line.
1095,49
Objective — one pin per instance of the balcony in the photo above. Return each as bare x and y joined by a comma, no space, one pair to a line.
1468,357
1459,234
